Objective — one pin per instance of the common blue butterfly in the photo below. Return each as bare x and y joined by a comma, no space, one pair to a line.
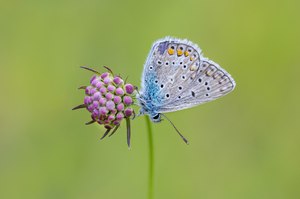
176,76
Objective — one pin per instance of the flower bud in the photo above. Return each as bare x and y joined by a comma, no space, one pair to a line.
108,100
118,80
119,91
128,112
129,88
110,105
127,100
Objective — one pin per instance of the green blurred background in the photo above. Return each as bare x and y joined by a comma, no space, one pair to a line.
245,145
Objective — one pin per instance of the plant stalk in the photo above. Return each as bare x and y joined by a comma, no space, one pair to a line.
151,159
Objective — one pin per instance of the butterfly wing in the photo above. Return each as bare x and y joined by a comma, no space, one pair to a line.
176,76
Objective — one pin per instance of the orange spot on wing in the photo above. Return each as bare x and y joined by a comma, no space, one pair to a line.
186,53
170,51
179,52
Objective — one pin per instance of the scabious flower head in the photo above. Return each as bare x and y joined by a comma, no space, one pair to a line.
109,101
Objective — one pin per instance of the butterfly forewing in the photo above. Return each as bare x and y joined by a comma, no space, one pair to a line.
176,76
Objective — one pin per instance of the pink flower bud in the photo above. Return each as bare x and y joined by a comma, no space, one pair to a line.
117,99
107,80
110,105
127,100
96,96
119,91
129,88
94,82
93,91
99,85
120,116
103,111
128,112
88,90
109,96
95,113
116,122
120,107
111,88
111,117
90,107
103,90
118,80
104,75
87,100
102,101
95,104
92,79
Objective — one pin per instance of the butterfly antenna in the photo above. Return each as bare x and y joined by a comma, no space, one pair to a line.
137,89
184,139
90,69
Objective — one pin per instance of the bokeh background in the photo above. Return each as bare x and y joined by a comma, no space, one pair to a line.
245,145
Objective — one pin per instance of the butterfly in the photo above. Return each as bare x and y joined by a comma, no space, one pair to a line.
177,76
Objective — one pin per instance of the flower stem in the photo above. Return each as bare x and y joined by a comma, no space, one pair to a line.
151,159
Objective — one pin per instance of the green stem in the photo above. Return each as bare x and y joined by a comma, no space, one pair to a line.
151,159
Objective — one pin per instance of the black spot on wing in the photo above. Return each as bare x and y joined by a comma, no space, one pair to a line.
162,47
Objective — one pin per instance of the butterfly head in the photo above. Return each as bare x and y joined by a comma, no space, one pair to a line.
155,117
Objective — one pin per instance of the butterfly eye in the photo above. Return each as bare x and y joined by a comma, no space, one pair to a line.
156,118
